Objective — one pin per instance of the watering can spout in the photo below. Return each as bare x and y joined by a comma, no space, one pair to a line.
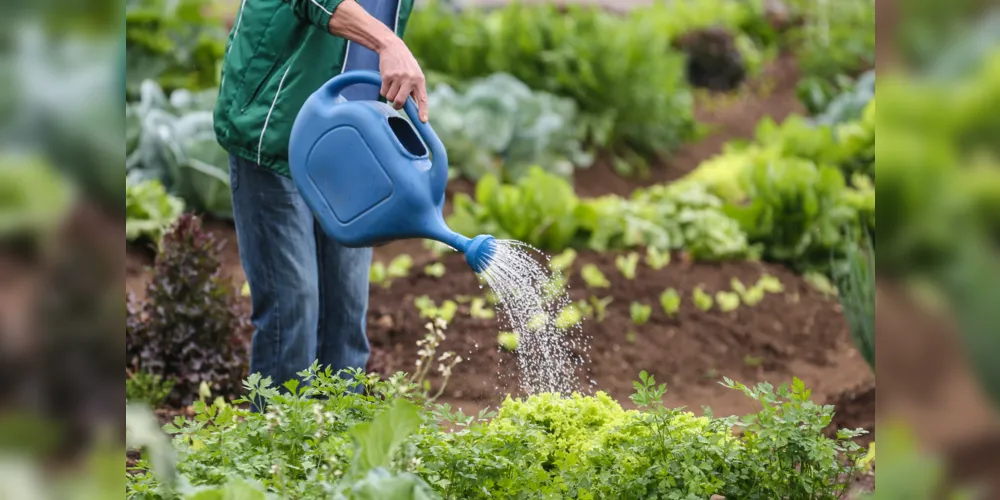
479,251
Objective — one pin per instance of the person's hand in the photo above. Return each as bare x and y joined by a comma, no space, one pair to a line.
402,77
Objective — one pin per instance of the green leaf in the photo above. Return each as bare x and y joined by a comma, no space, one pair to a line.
235,489
378,440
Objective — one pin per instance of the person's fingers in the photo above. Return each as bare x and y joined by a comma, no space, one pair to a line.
420,95
402,93
384,91
394,88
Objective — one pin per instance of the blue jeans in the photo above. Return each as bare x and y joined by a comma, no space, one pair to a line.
309,294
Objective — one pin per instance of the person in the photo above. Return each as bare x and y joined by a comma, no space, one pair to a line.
309,294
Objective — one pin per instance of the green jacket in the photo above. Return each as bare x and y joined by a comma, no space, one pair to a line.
279,52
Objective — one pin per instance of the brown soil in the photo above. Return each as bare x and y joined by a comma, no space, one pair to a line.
798,333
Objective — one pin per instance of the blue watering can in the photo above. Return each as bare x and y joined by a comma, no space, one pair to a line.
366,173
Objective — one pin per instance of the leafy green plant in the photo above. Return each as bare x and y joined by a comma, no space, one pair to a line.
150,389
563,261
594,277
856,287
620,70
796,210
702,300
176,145
601,306
330,434
33,198
836,38
507,341
497,125
627,264
657,259
173,43
541,209
670,302
640,313
189,328
727,301
435,270
149,210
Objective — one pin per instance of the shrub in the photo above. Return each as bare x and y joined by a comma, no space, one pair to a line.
187,329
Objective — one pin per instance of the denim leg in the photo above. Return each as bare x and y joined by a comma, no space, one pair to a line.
343,298
277,246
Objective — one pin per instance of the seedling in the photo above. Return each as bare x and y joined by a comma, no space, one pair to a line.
569,317
702,300
601,306
435,270
400,266
670,301
245,291
563,261
507,341
657,259
478,309
463,299
727,301
492,298
627,265
537,322
555,286
770,284
640,313
630,337
752,361
428,309
594,277
585,309
377,274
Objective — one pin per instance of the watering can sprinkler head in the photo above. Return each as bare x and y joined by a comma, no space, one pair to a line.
480,251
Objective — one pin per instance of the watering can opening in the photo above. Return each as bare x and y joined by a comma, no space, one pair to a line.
370,176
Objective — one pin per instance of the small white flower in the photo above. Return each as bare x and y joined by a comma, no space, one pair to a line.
274,469
445,356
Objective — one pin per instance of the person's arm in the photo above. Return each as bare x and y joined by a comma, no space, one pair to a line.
401,75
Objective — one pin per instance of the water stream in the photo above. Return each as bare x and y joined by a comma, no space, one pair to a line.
530,299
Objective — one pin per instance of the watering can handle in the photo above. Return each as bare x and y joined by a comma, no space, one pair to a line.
439,162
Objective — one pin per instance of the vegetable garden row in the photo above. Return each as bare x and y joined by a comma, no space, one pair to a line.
757,265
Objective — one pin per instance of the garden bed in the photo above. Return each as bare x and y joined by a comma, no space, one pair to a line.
798,332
